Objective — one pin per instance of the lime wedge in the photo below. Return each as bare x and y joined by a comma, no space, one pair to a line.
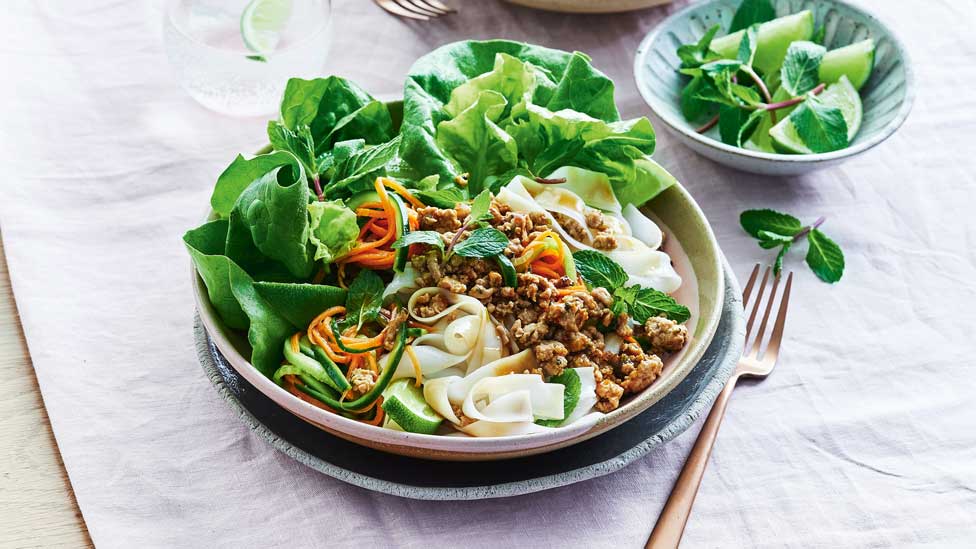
405,406
774,39
854,61
841,95
262,22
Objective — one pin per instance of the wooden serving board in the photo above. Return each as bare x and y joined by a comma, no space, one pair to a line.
590,6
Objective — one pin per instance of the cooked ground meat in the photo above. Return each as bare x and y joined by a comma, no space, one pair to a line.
362,380
430,304
665,335
573,227
393,328
562,330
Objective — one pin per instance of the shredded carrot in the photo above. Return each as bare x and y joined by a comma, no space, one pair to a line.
322,321
354,362
364,212
378,418
414,324
294,342
371,360
372,205
319,277
400,190
544,271
417,372
342,276
570,290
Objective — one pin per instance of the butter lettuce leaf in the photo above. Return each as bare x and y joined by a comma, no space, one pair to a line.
332,229
474,140
241,173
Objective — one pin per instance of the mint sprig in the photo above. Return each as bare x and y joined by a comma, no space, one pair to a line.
599,271
779,230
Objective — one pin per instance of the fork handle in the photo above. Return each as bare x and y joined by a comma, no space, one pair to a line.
671,524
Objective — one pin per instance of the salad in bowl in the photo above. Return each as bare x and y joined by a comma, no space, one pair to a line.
475,262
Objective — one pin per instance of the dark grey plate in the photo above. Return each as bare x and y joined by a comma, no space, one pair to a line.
414,478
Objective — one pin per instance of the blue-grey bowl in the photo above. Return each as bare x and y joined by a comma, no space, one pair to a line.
887,96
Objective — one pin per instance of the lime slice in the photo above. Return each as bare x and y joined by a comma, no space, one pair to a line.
262,22
841,95
854,61
774,38
405,406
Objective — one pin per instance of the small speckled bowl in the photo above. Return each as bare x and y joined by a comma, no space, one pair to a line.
697,258
887,96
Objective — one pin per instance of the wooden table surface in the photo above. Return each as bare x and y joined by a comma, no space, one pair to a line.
37,505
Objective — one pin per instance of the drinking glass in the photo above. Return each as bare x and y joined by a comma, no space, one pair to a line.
203,40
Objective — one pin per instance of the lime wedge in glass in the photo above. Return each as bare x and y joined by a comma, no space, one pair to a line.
841,95
405,406
262,22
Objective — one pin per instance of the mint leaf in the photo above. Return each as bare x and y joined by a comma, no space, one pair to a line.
819,35
486,242
693,106
695,55
364,298
754,221
571,380
431,238
735,125
769,240
821,128
598,270
747,47
800,71
480,206
443,198
644,303
778,264
298,142
751,12
825,257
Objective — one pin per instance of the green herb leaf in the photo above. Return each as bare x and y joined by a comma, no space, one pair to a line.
821,128
570,379
431,238
260,58
695,55
643,303
480,207
754,221
444,198
735,125
800,71
693,106
298,142
482,243
747,47
364,299
778,264
769,240
598,270
751,12
825,257
819,35
356,171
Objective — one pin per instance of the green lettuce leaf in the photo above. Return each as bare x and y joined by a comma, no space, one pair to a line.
270,222
206,247
299,304
240,174
475,142
334,109
332,230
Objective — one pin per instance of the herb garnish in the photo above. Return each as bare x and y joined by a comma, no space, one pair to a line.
737,96
483,242
600,271
364,299
431,238
774,229
570,379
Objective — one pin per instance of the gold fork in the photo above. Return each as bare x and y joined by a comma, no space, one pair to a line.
416,9
671,524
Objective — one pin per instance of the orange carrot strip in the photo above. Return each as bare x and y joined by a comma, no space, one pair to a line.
371,360
363,212
378,418
418,374
544,271
294,342
400,190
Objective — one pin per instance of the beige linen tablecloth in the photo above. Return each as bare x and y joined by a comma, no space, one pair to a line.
864,436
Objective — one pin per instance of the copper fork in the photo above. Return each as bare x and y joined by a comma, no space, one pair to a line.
671,524
416,9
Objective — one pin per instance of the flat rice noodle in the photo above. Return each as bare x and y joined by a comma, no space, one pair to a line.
642,228
518,362
563,201
405,281
464,303
645,267
545,399
593,187
435,393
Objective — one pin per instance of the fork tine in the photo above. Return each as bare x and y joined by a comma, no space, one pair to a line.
749,285
396,9
418,8
757,342
755,306
437,6
772,348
